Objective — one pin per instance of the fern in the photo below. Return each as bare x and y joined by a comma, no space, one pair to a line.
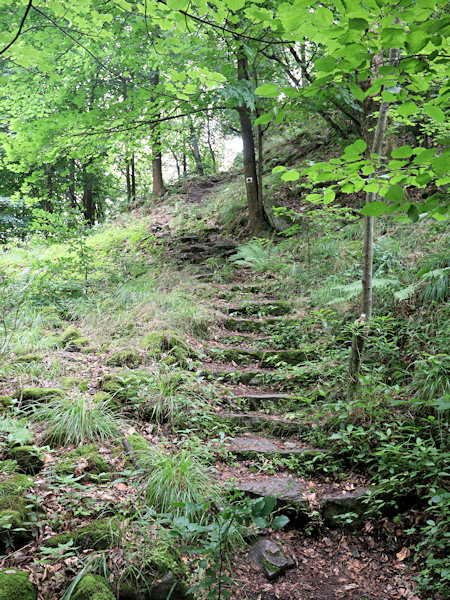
15,432
343,293
253,255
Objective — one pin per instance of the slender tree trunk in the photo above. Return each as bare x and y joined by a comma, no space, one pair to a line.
133,177
211,150
184,164
255,209
88,194
71,186
195,149
48,202
157,175
360,335
128,181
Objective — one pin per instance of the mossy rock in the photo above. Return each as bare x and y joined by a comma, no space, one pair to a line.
164,341
101,396
124,384
96,463
14,585
98,536
28,358
93,587
70,383
14,529
29,459
31,394
8,466
71,333
6,403
139,445
16,485
78,344
124,358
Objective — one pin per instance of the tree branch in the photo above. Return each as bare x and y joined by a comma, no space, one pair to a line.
22,23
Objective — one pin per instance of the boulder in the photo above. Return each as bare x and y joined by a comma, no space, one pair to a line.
15,585
97,536
270,558
93,587
34,395
71,333
29,459
124,358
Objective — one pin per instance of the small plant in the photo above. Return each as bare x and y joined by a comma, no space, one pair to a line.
174,479
77,420
432,378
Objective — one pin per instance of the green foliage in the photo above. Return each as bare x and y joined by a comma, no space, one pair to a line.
76,420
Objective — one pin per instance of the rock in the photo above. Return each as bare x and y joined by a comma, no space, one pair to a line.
15,529
87,455
98,535
248,447
169,343
335,505
261,422
15,485
274,308
29,459
28,358
69,383
270,558
14,585
79,344
124,358
30,395
168,586
284,489
6,404
250,325
93,587
71,333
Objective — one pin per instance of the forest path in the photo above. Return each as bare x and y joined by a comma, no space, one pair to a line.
267,452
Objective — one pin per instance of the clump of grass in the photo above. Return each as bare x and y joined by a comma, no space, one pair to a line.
78,420
168,397
176,479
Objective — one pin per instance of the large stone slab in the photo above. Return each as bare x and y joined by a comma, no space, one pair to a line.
335,505
250,325
270,558
252,447
261,422
273,308
284,489
265,358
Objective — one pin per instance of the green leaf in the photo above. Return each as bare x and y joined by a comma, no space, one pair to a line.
434,112
413,213
357,92
356,148
360,24
394,193
268,90
279,522
402,152
374,209
260,522
278,169
290,175
326,64
330,195
323,17
264,119
178,4
407,108
416,41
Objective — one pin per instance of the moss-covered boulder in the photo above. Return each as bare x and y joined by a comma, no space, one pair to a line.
15,528
124,358
124,385
99,535
8,467
34,394
29,458
164,342
70,383
28,358
96,464
71,333
80,344
93,587
14,585
6,403
15,485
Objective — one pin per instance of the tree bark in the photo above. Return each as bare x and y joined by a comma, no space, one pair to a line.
157,175
128,181
195,149
363,323
133,177
211,149
255,208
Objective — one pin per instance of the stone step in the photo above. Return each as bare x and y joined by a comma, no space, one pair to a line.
265,358
251,325
291,495
255,447
260,422
261,377
273,308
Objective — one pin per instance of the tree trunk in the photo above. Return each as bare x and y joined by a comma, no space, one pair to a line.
88,195
360,335
195,149
128,182
255,209
211,150
133,178
71,186
157,175
48,202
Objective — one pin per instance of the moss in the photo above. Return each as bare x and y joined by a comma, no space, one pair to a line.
127,592
71,333
96,463
15,485
38,394
6,403
14,530
138,444
27,358
8,466
105,397
14,585
98,536
93,587
124,384
124,358
69,383
167,342
77,344
29,459
166,559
